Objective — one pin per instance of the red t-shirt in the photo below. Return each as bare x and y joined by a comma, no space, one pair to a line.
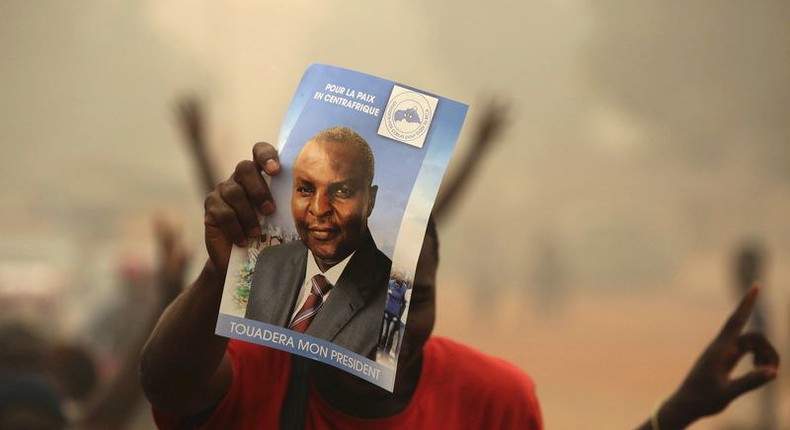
459,388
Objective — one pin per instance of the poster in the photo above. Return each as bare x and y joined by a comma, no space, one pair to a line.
330,278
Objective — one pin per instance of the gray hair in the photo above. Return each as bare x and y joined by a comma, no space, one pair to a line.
348,136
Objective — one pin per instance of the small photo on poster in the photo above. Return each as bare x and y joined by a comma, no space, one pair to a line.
330,277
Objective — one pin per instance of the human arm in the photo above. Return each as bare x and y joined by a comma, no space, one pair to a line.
116,403
191,119
489,128
184,368
708,387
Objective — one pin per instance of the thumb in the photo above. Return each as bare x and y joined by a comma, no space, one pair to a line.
749,381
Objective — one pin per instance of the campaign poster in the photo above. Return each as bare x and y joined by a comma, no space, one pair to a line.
330,278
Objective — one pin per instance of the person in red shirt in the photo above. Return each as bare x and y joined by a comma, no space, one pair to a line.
196,379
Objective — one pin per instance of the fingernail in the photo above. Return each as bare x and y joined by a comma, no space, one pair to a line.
271,166
267,207
255,232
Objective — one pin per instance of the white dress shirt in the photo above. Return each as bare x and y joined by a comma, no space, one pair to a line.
310,270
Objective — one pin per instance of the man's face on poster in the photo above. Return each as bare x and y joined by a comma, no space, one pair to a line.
331,200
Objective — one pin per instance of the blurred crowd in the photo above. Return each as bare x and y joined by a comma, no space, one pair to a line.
52,380
49,380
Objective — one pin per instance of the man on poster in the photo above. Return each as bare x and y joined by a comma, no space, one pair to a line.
332,282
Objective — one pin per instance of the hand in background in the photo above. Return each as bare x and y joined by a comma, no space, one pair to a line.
488,129
492,124
192,122
172,262
709,386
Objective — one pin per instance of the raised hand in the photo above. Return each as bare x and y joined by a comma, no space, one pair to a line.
709,386
191,119
190,116
488,128
492,124
173,260
232,208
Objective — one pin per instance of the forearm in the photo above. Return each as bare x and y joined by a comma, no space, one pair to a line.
182,368
449,193
669,416
487,130
208,177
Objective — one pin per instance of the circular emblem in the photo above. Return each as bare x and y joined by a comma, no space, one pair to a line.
408,116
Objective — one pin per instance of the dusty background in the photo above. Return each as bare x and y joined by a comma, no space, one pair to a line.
649,140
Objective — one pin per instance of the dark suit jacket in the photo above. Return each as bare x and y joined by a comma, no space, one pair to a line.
352,315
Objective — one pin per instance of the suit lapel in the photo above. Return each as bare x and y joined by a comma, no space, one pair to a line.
349,295
285,287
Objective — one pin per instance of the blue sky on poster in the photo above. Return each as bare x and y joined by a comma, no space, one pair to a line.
398,165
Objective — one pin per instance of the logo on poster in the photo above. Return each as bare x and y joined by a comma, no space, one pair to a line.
408,116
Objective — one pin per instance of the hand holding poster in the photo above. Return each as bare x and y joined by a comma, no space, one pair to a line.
330,279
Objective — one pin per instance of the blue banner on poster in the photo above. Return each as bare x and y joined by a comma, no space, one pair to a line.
304,345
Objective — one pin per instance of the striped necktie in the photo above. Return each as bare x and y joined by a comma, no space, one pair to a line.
315,299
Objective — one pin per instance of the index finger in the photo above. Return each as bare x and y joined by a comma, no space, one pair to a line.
266,158
737,320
